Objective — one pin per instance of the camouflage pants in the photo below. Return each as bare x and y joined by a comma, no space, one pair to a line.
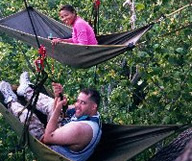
44,104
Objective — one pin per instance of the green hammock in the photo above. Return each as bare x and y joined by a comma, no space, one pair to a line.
19,26
43,152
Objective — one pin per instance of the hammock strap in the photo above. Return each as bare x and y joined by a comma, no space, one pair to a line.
164,16
24,140
178,29
52,53
37,40
27,7
166,34
41,60
178,10
95,14
52,66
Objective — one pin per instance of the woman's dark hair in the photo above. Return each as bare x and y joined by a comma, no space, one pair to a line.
68,7
94,95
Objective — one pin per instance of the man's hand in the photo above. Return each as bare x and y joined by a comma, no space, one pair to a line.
60,103
57,89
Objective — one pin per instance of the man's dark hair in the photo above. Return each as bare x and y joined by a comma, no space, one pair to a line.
93,93
68,7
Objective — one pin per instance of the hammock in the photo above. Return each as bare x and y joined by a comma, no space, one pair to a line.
118,142
19,26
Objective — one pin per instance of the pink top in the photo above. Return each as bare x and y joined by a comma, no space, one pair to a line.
82,33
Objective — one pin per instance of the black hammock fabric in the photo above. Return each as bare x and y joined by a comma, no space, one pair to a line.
20,27
118,142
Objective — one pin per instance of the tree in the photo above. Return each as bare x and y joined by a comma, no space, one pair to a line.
165,87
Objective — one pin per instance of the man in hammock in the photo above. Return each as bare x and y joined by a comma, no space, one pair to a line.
75,140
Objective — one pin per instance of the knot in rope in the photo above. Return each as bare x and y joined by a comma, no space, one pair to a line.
39,62
97,3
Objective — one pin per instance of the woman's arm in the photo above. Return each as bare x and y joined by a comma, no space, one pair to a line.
57,40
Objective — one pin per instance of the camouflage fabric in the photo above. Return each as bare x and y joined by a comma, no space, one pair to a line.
44,104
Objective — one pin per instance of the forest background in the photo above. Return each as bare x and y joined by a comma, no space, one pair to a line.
150,85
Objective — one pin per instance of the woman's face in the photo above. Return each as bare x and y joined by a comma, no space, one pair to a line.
67,17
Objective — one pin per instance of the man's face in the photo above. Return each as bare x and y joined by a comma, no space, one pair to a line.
84,106
67,17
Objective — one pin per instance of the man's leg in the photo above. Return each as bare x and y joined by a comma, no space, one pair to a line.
36,128
44,103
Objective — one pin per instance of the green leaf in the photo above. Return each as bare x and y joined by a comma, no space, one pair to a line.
140,6
166,120
180,50
155,46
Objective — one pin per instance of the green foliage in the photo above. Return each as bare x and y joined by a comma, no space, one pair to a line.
8,144
163,93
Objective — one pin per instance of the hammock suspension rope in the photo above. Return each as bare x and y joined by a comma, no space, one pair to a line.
164,16
39,62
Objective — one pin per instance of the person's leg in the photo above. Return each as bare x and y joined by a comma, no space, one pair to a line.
36,128
9,95
44,103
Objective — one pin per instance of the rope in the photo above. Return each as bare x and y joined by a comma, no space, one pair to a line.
164,16
24,140
163,35
28,62
166,34
95,14
37,40
52,67
178,29
178,10
35,33
182,84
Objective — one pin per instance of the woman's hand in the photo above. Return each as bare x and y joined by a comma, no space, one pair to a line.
56,41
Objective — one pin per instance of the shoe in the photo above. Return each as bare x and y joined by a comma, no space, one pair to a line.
7,92
24,84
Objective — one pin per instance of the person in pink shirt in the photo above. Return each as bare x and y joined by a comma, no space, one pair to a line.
82,33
